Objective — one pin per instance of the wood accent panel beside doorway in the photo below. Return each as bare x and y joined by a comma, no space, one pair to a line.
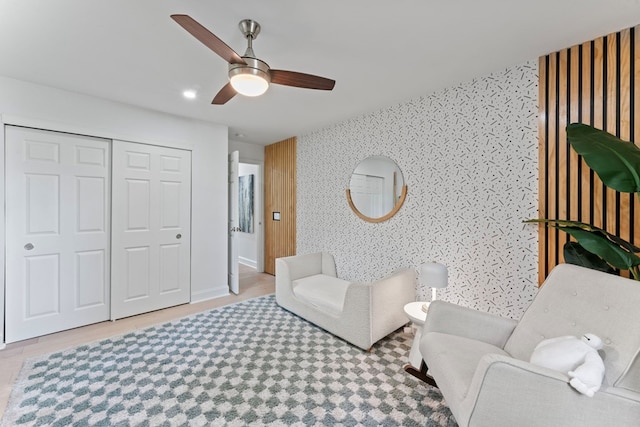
596,83
279,202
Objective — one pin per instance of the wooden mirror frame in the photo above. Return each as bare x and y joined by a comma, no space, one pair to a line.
396,208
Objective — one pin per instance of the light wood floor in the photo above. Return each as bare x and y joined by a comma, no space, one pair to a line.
252,285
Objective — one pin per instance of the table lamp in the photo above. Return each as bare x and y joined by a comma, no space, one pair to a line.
433,275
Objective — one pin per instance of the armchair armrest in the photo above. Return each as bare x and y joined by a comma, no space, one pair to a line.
507,392
283,275
381,301
393,289
465,322
296,267
293,268
389,295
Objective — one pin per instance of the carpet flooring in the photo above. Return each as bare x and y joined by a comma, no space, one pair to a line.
250,363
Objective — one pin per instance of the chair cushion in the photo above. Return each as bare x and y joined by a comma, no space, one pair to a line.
576,300
455,359
321,291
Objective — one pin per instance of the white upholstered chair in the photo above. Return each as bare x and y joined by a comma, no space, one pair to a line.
480,361
360,313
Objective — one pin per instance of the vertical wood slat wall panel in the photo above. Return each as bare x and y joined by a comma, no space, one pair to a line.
597,112
596,83
634,126
612,120
586,174
552,174
624,201
563,173
280,196
543,141
575,169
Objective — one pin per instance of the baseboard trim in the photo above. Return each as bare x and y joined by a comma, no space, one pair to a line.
248,262
209,294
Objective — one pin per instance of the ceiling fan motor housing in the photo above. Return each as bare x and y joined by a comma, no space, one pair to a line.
253,66
249,28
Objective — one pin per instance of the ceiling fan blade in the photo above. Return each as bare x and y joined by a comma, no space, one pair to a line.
307,81
208,38
225,94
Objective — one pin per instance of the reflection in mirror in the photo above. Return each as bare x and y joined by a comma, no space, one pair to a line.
376,189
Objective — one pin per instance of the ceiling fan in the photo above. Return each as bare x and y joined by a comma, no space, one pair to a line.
248,75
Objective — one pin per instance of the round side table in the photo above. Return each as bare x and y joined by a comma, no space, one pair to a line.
415,313
416,366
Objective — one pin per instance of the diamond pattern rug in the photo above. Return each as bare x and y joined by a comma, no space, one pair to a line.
250,363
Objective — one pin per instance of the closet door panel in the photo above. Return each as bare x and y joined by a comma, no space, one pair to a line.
57,231
151,262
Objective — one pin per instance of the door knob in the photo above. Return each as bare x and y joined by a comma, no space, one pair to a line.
28,246
178,236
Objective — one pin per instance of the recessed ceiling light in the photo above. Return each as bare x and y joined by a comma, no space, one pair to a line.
239,135
189,94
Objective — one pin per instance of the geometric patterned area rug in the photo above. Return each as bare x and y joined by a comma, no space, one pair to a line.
250,363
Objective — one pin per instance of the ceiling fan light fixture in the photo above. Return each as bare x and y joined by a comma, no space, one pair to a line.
250,79
249,84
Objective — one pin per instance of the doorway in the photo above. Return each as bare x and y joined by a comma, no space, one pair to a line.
250,220
248,258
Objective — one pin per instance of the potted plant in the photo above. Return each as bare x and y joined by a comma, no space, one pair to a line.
617,164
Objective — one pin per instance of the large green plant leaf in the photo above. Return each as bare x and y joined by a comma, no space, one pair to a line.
614,250
616,162
575,254
588,227
603,247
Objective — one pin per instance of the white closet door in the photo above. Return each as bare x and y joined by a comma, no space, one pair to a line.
57,231
151,240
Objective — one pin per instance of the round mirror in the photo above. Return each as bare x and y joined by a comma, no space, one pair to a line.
376,189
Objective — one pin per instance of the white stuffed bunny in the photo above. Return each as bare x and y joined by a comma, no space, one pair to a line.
578,357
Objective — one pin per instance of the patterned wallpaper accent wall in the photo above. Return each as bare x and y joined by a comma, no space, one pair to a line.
469,157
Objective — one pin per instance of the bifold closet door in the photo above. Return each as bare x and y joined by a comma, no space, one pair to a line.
57,231
151,228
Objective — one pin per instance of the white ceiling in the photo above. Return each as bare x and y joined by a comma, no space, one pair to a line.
379,52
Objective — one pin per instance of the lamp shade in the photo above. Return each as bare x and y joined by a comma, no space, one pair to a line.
433,275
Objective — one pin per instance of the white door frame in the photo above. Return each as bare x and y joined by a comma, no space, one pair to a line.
2,232
233,222
259,213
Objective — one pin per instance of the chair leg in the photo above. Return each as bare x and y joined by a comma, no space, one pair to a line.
421,374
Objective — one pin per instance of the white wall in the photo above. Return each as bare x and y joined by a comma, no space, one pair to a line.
28,104
248,242
249,153
469,158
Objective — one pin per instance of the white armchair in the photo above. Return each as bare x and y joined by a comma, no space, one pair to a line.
480,361
360,313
